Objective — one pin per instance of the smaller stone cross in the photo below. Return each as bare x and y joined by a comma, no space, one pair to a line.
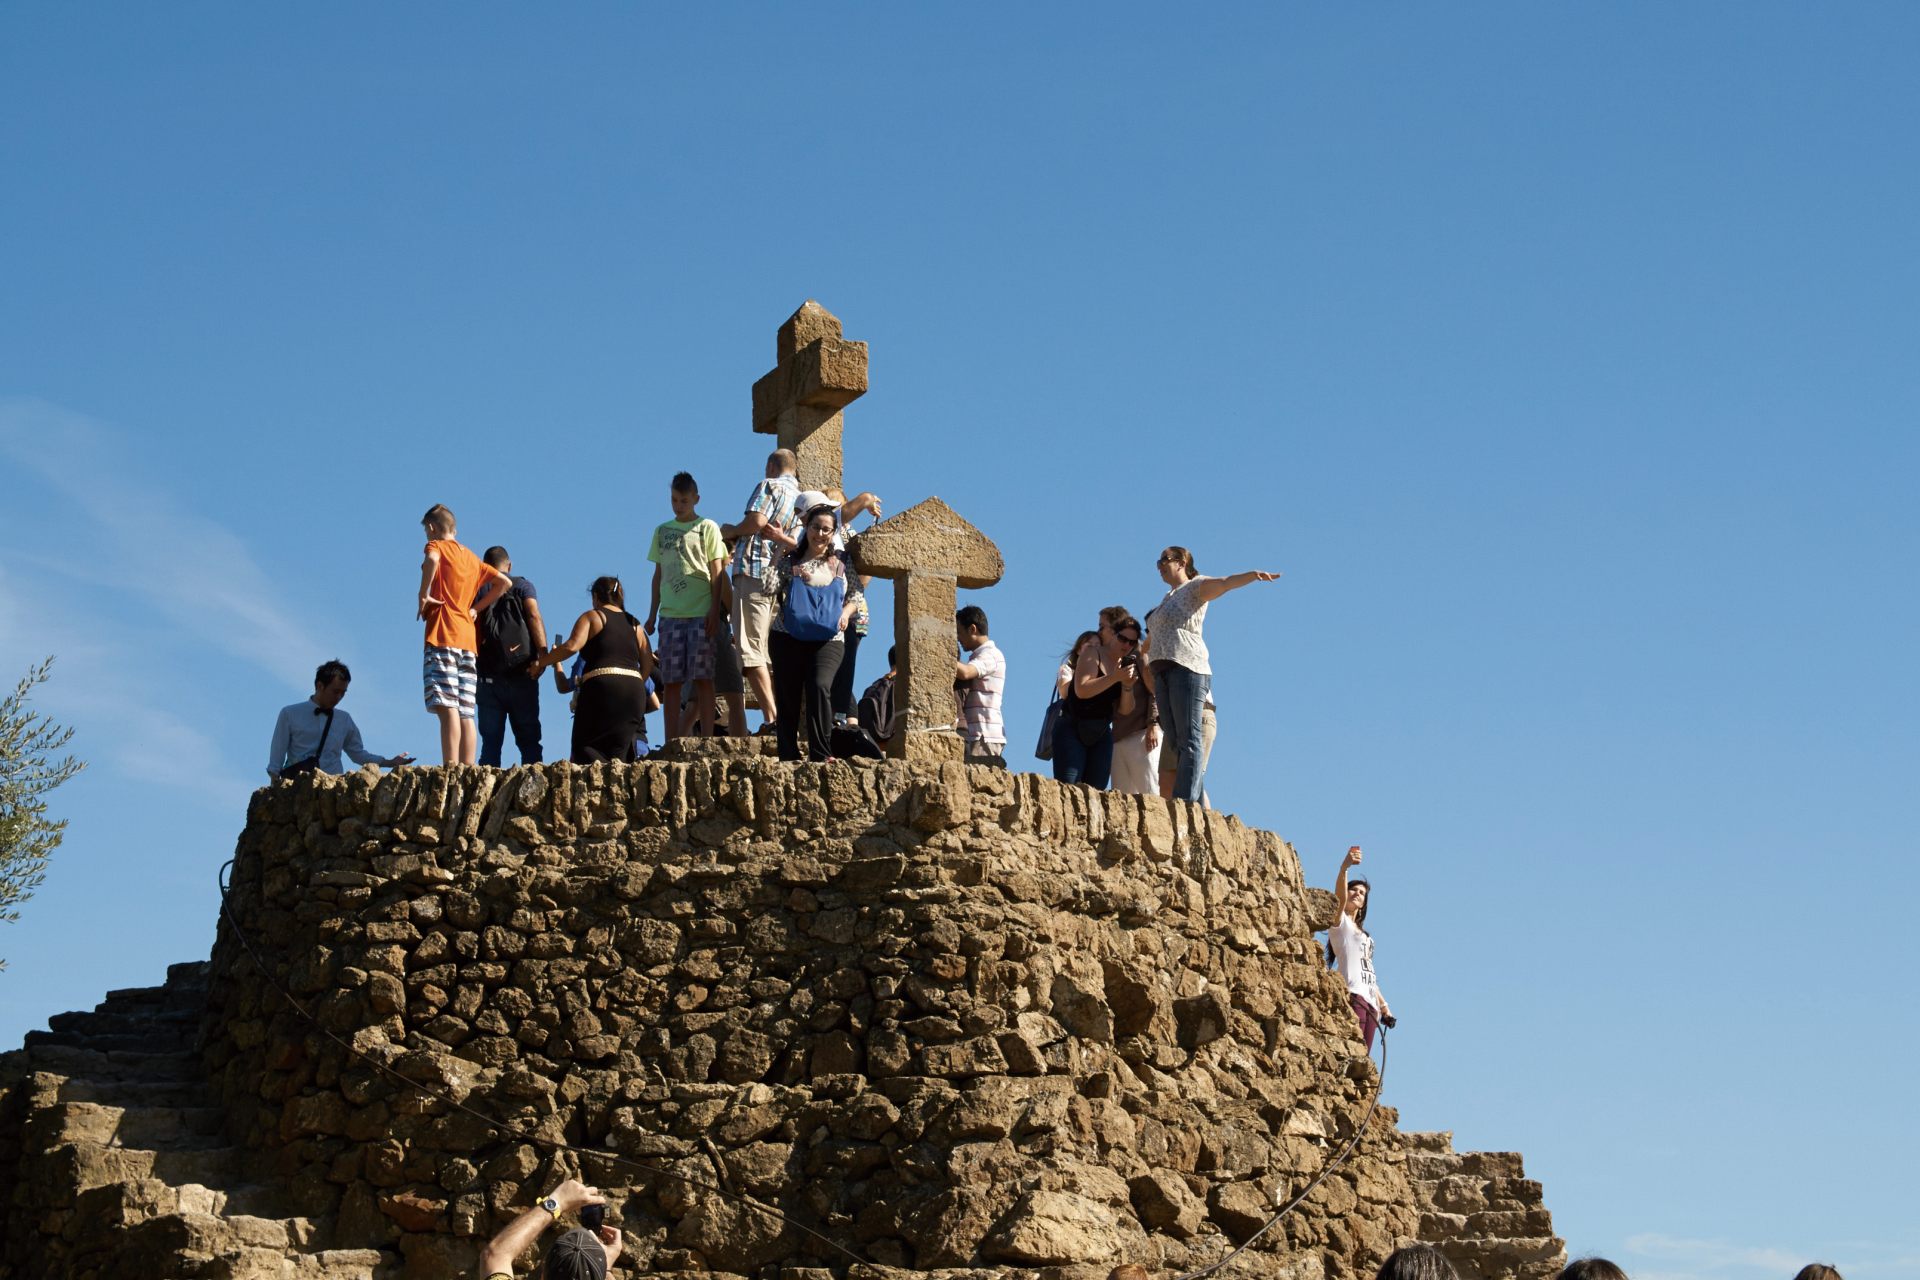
819,373
929,551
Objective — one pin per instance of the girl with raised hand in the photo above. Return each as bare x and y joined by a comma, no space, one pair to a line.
1350,949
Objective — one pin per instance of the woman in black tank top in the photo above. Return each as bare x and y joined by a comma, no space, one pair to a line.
1103,682
611,707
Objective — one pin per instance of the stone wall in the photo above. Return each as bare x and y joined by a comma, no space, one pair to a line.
951,1017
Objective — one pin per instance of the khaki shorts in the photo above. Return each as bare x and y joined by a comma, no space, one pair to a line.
753,608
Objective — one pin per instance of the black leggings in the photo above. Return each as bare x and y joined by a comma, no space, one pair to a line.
803,672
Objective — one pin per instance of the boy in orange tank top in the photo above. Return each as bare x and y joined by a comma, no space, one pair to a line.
450,577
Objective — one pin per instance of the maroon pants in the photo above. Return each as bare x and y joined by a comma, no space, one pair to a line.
1369,1019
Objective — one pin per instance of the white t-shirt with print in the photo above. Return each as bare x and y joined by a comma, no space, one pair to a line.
1353,955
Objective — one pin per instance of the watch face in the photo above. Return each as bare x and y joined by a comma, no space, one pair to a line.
551,1205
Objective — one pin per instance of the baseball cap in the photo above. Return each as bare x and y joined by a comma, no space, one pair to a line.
577,1255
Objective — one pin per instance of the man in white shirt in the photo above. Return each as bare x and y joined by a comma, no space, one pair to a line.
312,734
981,679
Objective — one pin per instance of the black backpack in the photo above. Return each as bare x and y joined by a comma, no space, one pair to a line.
506,645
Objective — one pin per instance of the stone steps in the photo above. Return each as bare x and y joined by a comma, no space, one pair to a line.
1480,1209
123,1156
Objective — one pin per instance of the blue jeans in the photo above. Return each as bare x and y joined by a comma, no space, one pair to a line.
504,698
1074,761
1183,696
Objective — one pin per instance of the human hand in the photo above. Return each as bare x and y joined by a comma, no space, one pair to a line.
1261,575
613,1243
713,625
1353,856
647,626
394,762
573,1194
1153,736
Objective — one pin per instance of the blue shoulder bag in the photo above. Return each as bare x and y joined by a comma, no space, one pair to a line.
810,612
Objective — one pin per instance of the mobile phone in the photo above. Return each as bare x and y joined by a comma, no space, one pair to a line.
592,1216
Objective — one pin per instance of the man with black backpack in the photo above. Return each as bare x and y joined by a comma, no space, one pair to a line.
512,635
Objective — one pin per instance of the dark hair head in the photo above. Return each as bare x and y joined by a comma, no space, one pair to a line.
329,671
972,616
576,1255
1117,617
683,483
1595,1269
439,519
1080,642
893,655
606,589
1128,1271
497,557
1417,1262
817,508
1182,557
1361,921
1812,1271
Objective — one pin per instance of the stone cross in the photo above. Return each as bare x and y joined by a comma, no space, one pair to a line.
819,373
929,551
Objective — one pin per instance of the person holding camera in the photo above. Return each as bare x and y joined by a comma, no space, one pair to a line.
1103,685
583,1253
1350,949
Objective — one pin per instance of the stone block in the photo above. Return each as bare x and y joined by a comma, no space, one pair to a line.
828,374
1053,1228
1165,1203
808,325
929,536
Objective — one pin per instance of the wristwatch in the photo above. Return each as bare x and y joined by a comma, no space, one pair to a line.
551,1205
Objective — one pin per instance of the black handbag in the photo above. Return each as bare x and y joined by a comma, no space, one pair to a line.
1055,709
301,768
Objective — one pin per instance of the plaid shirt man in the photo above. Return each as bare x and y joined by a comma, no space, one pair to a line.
774,499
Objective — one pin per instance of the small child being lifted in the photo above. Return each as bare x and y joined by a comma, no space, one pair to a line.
1350,949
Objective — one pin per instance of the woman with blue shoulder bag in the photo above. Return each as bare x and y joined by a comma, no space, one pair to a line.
818,600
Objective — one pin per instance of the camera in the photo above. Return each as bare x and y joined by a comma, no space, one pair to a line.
593,1216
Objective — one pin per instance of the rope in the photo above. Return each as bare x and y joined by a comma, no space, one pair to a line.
501,1126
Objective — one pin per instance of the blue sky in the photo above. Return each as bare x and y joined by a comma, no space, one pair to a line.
1560,356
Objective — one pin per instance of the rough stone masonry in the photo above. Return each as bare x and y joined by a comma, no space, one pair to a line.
964,1022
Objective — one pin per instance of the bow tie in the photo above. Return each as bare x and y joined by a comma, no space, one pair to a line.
319,711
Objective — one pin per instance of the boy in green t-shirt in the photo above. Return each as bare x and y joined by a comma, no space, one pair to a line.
689,568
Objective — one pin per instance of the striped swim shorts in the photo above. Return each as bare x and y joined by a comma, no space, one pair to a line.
452,680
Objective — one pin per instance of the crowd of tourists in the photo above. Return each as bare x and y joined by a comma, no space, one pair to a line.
769,604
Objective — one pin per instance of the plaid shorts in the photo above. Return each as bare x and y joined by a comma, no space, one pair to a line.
686,652
452,680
